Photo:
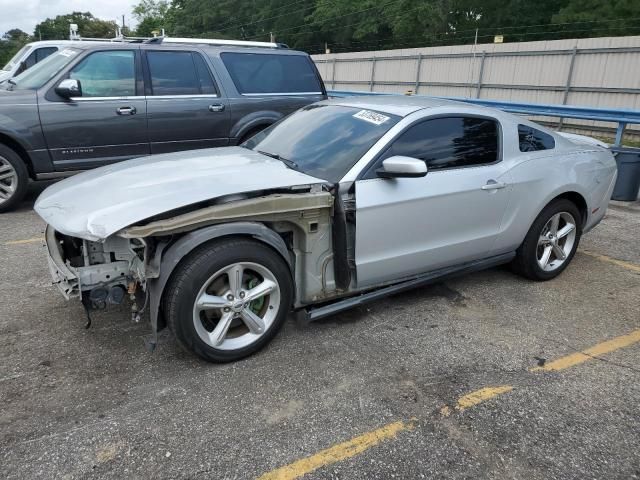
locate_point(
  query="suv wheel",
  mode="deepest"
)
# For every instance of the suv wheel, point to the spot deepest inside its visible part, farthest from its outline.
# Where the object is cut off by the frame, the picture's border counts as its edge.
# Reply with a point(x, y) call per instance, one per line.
point(228, 299)
point(551, 242)
point(14, 179)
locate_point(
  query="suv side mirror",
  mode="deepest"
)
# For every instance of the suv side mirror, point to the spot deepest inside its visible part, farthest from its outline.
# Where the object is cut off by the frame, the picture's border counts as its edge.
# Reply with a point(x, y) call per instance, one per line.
point(69, 88)
point(399, 166)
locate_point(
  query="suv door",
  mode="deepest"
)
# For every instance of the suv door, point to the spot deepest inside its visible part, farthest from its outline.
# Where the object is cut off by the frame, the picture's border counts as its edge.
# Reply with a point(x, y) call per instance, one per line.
point(406, 226)
point(184, 106)
point(107, 122)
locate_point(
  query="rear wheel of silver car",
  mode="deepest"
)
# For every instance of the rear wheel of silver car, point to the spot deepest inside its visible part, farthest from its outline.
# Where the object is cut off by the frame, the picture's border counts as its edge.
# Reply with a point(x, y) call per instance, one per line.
point(551, 242)
point(228, 299)
point(14, 179)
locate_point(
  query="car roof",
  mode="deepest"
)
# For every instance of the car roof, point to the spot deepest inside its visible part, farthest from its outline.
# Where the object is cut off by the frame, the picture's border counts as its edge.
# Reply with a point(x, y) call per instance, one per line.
point(97, 45)
point(401, 105)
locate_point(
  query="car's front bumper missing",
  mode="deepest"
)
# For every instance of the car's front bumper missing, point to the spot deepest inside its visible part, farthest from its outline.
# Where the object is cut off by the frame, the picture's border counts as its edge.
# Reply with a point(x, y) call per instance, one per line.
point(62, 275)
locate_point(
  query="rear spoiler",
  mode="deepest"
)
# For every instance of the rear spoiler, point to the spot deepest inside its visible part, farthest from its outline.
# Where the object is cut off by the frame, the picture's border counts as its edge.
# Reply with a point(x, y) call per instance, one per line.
point(583, 139)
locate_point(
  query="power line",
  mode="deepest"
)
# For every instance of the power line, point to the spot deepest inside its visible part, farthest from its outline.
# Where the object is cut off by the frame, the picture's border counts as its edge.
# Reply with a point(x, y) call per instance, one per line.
point(270, 18)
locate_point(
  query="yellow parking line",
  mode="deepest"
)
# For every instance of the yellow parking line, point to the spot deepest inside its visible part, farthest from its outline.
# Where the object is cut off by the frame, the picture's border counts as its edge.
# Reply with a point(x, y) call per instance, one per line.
point(479, 396)
point(621, 263)
point(338, 452)
point(474, 398)
point(590, 353)
point(27, 240)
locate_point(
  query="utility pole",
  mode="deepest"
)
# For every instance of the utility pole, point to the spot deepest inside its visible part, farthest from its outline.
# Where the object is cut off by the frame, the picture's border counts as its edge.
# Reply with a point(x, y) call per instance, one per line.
point(272, 37)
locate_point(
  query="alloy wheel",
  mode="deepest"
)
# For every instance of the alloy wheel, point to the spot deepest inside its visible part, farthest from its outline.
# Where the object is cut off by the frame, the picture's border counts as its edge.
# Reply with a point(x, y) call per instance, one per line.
point(8, 180)
point(556, 241)
point(236, 306)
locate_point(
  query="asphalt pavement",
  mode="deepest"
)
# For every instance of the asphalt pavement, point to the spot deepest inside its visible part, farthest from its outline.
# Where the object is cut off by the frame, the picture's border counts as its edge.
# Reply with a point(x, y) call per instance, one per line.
point(439, 382)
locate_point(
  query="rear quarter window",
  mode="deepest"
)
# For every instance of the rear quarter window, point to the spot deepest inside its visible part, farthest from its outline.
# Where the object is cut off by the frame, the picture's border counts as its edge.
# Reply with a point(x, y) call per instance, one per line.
point(533, 140)
point(259, 73)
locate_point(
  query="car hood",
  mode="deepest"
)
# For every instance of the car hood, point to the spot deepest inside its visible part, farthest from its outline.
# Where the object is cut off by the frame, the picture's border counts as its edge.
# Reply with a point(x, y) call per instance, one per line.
point(16, 97)
point(96, 204)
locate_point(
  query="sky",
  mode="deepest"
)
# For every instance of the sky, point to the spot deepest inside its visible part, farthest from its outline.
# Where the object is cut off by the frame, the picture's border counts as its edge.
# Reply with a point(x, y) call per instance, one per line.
point(25, 14)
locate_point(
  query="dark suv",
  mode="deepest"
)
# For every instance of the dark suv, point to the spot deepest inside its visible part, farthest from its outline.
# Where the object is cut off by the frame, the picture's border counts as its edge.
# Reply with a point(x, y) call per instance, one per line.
point(89, 105)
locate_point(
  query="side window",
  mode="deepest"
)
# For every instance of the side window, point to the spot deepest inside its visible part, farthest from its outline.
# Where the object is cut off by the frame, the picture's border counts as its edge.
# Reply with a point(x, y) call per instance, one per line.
point(107, 74)
point(449, 142)
point(31, 60)
point(207, 85)
point(44, 52)
point(532, 140)
point(256, 73)
point(175, 73)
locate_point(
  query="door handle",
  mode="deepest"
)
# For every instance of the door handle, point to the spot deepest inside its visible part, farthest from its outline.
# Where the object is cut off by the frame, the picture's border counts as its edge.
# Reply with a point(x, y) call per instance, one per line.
point(216, 107)
point(126, 110)
point(493, 185)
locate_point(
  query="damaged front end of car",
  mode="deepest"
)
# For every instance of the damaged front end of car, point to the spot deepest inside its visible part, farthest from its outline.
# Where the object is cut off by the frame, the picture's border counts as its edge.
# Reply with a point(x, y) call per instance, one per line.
point(135, 264)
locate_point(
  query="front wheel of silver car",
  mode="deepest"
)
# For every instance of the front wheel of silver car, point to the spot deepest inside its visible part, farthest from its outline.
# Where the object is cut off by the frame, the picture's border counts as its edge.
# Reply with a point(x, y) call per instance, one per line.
point(14, 179)
point(551, 242)
point(228, 299)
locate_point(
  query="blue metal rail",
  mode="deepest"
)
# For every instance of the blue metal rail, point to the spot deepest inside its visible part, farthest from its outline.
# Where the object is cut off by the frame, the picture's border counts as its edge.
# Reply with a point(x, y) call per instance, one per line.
point(622, 117)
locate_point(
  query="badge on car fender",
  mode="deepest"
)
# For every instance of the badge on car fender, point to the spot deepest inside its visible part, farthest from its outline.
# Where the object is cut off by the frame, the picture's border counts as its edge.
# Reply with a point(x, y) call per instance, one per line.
point(371, 117)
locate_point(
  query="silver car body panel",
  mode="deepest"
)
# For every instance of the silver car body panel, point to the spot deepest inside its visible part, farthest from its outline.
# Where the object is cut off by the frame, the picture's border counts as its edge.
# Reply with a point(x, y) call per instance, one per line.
point(394, 230)
point(96, 204)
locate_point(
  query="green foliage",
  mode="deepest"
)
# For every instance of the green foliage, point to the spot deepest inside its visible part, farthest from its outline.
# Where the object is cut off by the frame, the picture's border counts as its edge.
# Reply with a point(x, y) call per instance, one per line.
point(376, 24)
point(10, 43)
point(88, 26)
point(347, 25)
point(600, 18)
point(151, 16)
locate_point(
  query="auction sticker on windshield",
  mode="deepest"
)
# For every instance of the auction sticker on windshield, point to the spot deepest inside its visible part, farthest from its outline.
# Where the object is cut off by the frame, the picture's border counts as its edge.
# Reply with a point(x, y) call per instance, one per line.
point(67, 53)
point(371, 117)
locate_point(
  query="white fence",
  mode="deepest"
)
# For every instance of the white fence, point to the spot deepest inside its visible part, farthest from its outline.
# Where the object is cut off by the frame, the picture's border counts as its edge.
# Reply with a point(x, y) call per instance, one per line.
point(597, 72)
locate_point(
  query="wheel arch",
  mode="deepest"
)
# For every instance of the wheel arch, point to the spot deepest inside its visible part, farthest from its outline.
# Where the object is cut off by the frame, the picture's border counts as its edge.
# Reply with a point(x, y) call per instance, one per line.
point(578, 200)
point(252, 121)
point(17, 147)
point(175, 253)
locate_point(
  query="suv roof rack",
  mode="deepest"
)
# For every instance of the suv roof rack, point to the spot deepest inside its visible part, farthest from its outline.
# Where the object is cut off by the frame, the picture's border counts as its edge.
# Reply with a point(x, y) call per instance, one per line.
point(215, 41)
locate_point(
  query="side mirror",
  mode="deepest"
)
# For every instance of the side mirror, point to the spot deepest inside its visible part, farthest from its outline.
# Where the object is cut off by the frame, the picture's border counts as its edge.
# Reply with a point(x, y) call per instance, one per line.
point(399, 167)
point(69, 88)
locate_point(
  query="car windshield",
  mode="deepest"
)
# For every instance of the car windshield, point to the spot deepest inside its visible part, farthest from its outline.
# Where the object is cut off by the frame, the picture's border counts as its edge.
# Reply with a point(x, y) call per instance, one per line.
point(36, 76)
point(323, 140)
point(15, 58)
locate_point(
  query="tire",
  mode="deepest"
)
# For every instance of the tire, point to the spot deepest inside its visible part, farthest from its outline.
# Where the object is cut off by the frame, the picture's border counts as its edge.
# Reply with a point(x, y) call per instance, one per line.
point(216, 319)
point(14, 179)
point(531, 260)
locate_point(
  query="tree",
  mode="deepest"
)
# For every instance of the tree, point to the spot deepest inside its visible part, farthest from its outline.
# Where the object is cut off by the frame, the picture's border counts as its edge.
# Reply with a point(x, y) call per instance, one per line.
point(10, 43)
point(88, 26)
point(151, 16)
point(379, 24)
point(586, 18)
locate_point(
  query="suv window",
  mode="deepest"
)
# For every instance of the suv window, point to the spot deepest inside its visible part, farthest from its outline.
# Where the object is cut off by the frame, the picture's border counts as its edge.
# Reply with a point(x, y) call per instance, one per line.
point(179, 73)
point(106, 74)
point(38, 55)
point(532, 140)
point(449, 142)
point(256, 73)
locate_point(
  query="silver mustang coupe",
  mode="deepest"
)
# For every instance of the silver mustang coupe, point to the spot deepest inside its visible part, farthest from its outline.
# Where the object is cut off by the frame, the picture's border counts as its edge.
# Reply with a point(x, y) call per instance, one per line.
point(338, 204)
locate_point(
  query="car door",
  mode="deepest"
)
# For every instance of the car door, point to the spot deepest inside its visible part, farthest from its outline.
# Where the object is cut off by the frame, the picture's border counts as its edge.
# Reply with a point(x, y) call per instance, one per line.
point(406, 226)
point(184, 105)
point(107, 123)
